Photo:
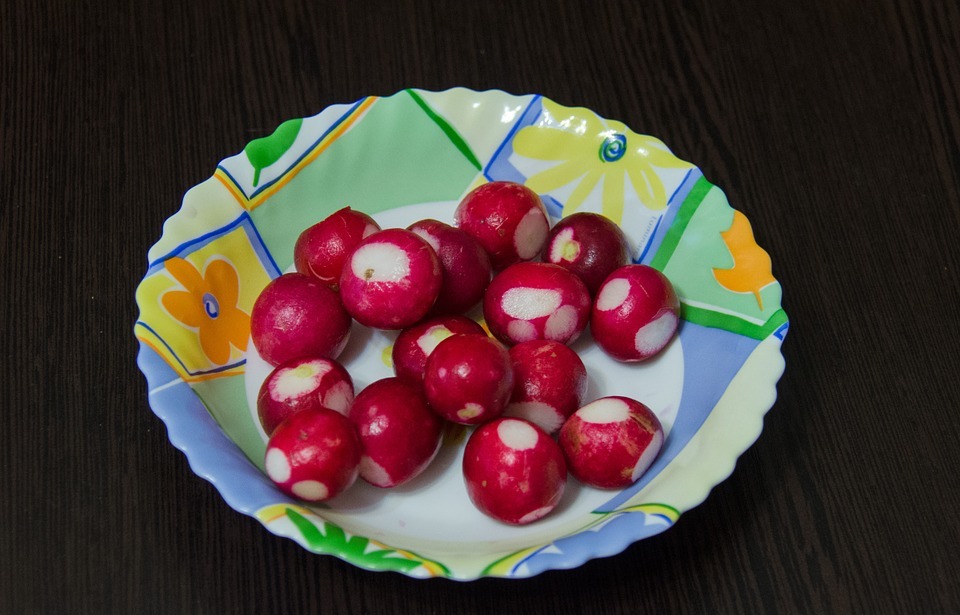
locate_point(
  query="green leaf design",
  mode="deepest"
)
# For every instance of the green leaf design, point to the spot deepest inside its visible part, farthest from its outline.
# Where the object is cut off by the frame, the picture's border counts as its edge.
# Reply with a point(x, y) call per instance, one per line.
point(267, 150)
point(353, 549)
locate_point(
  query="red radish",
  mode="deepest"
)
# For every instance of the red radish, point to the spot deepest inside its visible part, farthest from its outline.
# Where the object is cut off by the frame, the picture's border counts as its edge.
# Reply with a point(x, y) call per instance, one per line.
point(314, 455)
point(588, 244)
point(391, 279)
point(635, 314)
point(399, 433)
point(304, 382)
point(296, 316)
point(414, 344)
point(610, 442)
point(550, 383)
point(514, 471)
point(466, 266)
point(468, 379)
point(530, 301)
point(508, 219)
point(322, 249)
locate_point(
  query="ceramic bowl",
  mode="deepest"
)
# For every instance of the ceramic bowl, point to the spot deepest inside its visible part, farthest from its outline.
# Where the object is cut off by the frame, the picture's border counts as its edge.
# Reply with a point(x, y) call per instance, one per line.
point(414, 155)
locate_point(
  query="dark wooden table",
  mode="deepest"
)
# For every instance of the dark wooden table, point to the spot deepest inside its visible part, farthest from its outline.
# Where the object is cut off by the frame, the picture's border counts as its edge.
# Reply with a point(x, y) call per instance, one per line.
point(834, 126)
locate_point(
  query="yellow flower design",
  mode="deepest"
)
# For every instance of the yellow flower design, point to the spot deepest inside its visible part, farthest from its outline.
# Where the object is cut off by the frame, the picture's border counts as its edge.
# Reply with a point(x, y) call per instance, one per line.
point(590, 149)
point(209, 305)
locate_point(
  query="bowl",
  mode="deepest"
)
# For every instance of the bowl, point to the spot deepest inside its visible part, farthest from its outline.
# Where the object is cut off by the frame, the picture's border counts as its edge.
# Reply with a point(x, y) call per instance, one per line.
point(414, 155)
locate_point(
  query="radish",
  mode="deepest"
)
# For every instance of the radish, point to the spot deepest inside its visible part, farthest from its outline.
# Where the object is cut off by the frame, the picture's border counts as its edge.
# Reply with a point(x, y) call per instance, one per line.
point(589, 245)
point(635, 314)
point(466, 266)
point(468, 379)
point(295, 315)
point(399, 433)
point(304, 382)
point(508, 219)
point(391, 279)
point(550, 383)
point(414, 344)
point(530, 301)
point(514, 471)
point(610, 442)
point(314, 455)
point(322, 248)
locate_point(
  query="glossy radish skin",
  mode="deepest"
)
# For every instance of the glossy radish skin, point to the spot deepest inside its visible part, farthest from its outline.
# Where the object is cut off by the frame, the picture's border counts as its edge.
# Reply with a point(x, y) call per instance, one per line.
point(589, 245)
point(399, 434)
point(321, 249)
point(508, 219)
point(305, 382)
point(468, 379)
point(635, 314)
point(414, 344)
point(514, 471)
point(466, 266)
point(295, 316)
point(550, 383)
point(391, 279)
point(314, 455)
point(611, 442)
point(536, 301)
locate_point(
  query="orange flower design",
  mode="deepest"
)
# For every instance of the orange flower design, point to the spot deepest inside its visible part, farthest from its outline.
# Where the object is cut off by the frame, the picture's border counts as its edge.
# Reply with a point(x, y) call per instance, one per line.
point(209, 305)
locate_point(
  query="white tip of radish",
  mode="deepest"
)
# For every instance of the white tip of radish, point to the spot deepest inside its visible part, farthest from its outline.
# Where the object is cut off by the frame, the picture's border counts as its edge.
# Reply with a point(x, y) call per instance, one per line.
point(339, 398)
point(310, 490)
point(521, 331)
point(374, 473)
point(295, 381)
point(277, 465)
point(517, 435)
point(648, 455)
point(654, 335)
point(469, 411)
point(531, 233)
point(380, 262)
point(561, 324)
point(605, 410)
point(529, 303)
point(432, 337)
point(613, 294)
point(431, 239)
point(530, 517)
point(369, 230)
point(543, 415)
point(564, 247)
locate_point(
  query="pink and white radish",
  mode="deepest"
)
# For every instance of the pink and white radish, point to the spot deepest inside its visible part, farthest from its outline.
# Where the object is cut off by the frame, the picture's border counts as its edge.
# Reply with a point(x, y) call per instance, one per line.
point(589, 245)
point(391, 279)
point(610, 443)
point(531, 301)
point(414, 344)
point(321, 249)
point(399, 434)
point(296, 315)
point(314, 455)
point(468, 379)
point(508, 219)
point(466, 265)
point(635, 314)
point(304, 382)
point(550, 383)
point(514, 471)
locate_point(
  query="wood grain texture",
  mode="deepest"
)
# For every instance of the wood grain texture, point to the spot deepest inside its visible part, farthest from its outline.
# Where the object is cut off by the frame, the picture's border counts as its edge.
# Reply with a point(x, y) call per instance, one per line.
point(835, 127)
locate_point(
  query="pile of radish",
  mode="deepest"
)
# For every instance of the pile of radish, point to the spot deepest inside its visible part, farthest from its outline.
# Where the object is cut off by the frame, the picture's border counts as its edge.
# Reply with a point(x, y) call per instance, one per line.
point(521, 388)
